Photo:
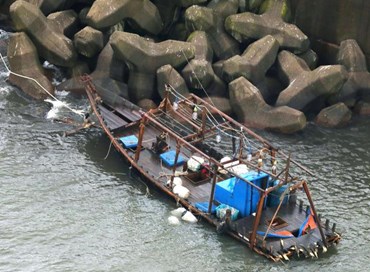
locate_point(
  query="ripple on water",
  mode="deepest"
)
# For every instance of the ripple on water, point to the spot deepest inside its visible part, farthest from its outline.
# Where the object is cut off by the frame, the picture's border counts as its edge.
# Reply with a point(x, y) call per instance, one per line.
point(66, 208)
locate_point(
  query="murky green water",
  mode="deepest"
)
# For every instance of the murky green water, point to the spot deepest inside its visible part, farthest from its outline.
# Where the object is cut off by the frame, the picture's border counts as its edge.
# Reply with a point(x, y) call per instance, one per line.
point(63, 207)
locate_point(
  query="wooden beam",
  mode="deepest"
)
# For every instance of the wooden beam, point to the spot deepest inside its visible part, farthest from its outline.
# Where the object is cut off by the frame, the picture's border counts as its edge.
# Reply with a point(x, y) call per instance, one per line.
point(257, 219)
point(214, 180)
point(307, 191)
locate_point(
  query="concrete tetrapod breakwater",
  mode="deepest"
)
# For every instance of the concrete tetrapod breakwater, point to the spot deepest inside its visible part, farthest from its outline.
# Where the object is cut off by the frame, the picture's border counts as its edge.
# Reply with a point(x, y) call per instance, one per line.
point(221, 50)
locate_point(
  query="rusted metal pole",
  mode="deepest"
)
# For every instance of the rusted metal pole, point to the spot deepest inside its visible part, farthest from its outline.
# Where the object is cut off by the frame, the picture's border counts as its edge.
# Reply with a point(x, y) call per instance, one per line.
point(297, 164)
point(178, 147)
point(214, 180)
point(140, 140)
point(307, 191)
point(250, 132)
point(287, 170)
point(257, 220)
point(273, 218)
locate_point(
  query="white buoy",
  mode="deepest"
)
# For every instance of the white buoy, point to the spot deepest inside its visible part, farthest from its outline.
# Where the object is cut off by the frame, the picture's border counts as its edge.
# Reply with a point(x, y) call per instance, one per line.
point(181, 191)
point(176, 181)
point(178, 212)
point(189, 217)
point(173, 220)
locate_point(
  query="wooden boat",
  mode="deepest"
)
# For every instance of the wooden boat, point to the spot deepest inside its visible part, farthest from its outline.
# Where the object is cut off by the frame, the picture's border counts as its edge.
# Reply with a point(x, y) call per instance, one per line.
point(244, 195)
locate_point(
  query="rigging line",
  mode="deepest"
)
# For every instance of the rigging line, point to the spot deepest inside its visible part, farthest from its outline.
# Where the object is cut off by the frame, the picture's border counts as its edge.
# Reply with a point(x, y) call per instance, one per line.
point(192, 70)
point(78, 112)
point(179, 95)
point(210, 116)
point(172, 126)
point(106, 156)
point(217, 125)
point(164, 123)
point(174, 119)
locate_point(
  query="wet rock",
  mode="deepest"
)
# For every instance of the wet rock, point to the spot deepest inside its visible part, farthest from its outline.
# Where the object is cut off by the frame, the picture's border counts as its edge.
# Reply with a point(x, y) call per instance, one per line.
point(114, 86)
point(310, 57)
point(254, 62)
point(358, 85)
point(307, 86)
point(82, 16)
point(282, 7)
point(169, 12)
point(351, 56)
point(362, 108)
point(74, 84)
point(49, 6)
point(144, 57)
point(248, 25)
point(198, 74)
point(89, 41)
point(211, 20)
point(144, 14)
point(24, 60)
point(337, 115)
point(66, 22)
point(217, 88)
point(51, 45)
point(178, 32)
point(188, 3)
point(270, 88)
point(253, 5)
point(218, 68)
point(168, 75)
point(251, 109)
point(203, 48)
point(290, 66)
point(109, 67)
point(147, 104)
point(221, 103)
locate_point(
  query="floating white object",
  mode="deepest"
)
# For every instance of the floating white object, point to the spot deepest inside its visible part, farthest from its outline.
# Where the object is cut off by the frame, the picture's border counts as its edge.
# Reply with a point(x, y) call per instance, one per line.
point(178, 212)
point(189, 217)
point(173, 220)
point(194, 163)
point(176, 181)
point(181, 191)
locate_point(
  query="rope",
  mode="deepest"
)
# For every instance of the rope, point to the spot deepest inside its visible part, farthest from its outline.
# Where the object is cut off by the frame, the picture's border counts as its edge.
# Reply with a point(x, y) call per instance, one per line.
point(106, 156)
point(78, 112)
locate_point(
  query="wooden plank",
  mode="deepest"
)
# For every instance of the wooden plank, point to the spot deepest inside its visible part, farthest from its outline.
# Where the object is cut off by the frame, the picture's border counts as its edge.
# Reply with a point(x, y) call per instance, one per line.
point(130, 115)
point(113, 121)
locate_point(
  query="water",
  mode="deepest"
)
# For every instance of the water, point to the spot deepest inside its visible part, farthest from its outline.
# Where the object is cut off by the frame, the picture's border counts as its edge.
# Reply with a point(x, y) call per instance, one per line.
point(63, 207)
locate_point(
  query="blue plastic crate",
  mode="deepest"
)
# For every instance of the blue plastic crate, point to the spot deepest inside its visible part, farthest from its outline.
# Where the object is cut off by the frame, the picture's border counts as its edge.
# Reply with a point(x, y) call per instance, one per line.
point(168, 158)
point(203, 206)
point(239, 194)
point(129, 141)
point(221, 211)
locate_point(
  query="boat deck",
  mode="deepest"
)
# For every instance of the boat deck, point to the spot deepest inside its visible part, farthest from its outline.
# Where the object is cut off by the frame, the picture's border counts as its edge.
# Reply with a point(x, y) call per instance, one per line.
point(187, 135)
